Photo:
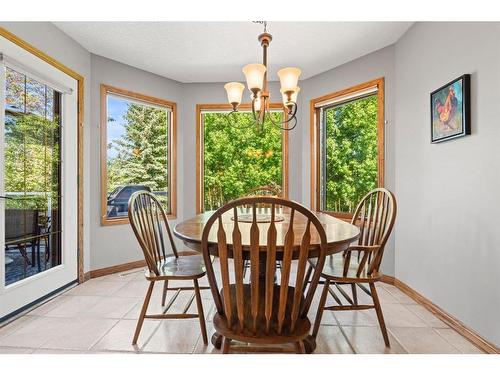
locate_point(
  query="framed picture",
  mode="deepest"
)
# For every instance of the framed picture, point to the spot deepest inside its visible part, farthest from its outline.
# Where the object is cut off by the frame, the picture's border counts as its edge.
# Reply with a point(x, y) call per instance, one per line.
point(450, 110)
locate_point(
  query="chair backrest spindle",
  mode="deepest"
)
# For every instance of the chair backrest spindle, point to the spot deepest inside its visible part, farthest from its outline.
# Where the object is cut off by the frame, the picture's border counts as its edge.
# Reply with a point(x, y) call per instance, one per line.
point(146, 216)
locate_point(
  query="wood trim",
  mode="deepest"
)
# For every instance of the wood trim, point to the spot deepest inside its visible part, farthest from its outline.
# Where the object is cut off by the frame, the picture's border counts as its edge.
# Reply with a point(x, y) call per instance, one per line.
point(115, 269)
point(314, 122)
point(80, 109)
point(199, 135)
point(453, 322)
point(172, 165)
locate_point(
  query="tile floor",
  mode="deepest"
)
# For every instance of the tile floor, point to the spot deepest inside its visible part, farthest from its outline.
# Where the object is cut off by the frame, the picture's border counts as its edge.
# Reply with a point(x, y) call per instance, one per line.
point(100, 315)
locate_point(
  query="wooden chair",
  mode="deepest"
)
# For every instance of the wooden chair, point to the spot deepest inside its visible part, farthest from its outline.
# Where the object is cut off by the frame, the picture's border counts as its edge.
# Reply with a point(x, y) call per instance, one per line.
point(266, 190)
point(262, 312)
point(375, 216)
point(146, 216)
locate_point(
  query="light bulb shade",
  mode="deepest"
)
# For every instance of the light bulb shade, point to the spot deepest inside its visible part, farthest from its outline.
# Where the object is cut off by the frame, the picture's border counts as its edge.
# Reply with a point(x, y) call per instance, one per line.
point(254, 74)
point(234, 92)
point(293, 97)
point(289, 78)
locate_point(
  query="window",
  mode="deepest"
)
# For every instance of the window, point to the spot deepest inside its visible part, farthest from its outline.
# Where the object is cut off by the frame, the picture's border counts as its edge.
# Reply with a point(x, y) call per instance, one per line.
point(347, 129)
point(233, 158)
point(32, 170)
point(137, 151)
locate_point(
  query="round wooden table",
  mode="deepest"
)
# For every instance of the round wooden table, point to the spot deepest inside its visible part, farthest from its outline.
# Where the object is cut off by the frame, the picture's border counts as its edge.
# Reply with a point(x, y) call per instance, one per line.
point(339, 235)
point(338, 232)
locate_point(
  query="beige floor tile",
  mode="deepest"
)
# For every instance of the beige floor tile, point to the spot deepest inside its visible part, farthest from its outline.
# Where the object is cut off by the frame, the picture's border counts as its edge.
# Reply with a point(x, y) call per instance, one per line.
point(201, 348)
point(8, 350)
point(458, 341)
point(73, 306)
point(80, 334)
point(400, 296)
point(369, 340)
point(397, 315)
point(357, 318)
point(34, 332)
point(330, 340)
point(327, 319)
point(134, 274)
point(14, 325)
point(112, 307)
point(174, 336)
point(422, 341)
point(429, 318)
point(96, 287)
point(48, 306)
point(138, 289)
point(59, 351)
point(119, 338)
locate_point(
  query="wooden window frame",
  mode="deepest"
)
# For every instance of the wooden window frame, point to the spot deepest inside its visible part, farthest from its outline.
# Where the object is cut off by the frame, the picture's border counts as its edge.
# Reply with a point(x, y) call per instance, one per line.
point(315, 145)
point(199, 145)
point(172, 147)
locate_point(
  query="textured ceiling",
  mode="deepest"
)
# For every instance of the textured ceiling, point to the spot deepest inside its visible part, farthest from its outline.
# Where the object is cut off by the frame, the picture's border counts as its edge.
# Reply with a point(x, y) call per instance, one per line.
point(216, 51)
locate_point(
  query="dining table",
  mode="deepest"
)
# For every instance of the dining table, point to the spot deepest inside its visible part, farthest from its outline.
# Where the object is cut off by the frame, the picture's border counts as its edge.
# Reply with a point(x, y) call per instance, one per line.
point(340, 234)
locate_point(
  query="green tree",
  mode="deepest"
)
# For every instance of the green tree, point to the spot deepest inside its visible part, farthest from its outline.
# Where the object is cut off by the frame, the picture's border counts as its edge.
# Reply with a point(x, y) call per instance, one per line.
point(237, 157)
point(142, 152)
point(351, 153)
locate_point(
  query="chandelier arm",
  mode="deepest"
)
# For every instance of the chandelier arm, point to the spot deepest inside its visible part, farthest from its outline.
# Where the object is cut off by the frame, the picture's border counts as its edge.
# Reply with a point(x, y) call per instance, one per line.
point(294, 119)
point(288, 120)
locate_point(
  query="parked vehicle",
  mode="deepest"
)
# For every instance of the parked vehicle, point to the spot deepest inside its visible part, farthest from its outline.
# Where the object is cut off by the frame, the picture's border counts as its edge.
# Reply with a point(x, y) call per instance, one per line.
point(118, 199)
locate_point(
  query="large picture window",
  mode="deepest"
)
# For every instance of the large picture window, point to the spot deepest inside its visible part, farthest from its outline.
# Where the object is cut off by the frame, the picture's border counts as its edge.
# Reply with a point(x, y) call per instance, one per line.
point(348, 147)
point(234, 158)
point(137, 151)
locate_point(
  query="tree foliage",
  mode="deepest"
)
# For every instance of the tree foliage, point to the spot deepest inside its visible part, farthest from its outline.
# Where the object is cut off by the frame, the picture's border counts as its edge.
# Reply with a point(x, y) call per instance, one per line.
point(237, 157)
point(351, 153)
point(142, 151)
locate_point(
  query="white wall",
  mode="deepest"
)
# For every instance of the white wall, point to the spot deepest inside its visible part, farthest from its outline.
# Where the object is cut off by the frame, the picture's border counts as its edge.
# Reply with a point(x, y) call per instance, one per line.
point(366, 68)
point(52, 41)
point(116, 244)
point(447, 236)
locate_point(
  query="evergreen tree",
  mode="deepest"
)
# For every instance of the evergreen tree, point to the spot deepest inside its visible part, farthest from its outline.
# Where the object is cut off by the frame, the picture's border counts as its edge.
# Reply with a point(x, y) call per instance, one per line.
point(142, 153)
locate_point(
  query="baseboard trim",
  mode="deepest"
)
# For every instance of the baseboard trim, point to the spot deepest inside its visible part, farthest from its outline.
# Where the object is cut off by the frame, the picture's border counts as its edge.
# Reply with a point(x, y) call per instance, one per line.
point(453, 322)
point(115, 269)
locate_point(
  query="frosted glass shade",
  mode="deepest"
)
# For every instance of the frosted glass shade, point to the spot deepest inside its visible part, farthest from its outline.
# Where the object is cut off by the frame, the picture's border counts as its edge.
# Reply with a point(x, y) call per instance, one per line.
point(254, 74)
point(293, 97)
point(289, 78)
point(234, 92)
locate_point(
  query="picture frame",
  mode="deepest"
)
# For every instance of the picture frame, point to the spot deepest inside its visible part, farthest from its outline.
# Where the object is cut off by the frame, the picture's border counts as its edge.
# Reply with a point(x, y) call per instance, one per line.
point(450, 110)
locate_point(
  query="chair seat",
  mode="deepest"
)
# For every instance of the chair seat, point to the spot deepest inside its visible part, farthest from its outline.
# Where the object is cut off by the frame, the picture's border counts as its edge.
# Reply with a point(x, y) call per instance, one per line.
point(300, 332)
point(189, 265)
point(334, 269)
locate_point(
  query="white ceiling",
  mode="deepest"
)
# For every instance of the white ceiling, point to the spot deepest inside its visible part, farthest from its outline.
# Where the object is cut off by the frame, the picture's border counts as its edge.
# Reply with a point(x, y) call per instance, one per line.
point(216, 51)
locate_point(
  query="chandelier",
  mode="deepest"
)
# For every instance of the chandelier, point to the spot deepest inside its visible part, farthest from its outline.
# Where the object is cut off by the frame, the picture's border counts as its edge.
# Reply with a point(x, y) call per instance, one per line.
point(256, 77)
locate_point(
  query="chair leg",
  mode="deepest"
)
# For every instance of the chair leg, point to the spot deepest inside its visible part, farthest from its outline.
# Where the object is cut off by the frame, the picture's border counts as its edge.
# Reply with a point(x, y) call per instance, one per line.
point(300, 348)
point(201, 314)
point(321, 307)
point(143, 312)
point(354, 293)
point(164, 296)
point(226, 343)
point(380, 316)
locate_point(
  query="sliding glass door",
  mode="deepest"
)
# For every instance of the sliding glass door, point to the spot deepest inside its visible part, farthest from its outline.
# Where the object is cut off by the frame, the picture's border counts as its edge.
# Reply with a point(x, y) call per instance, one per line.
point(38, 186)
